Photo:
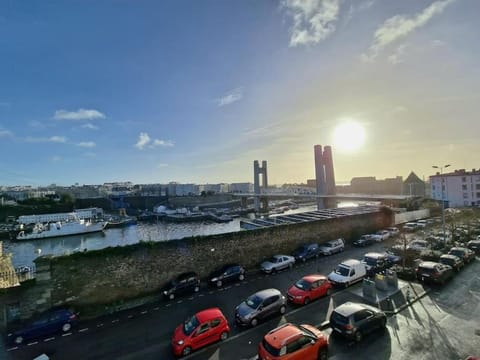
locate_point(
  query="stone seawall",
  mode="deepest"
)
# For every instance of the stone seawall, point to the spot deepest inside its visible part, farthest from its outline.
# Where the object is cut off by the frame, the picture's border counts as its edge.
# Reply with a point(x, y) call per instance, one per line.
point(98, 278)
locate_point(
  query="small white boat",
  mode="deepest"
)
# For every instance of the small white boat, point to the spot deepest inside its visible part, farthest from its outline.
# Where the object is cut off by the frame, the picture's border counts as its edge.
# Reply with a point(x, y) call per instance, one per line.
point(56, 229)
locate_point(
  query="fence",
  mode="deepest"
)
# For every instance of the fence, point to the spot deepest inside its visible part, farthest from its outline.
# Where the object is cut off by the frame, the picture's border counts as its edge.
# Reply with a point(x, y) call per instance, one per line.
point(17, 276)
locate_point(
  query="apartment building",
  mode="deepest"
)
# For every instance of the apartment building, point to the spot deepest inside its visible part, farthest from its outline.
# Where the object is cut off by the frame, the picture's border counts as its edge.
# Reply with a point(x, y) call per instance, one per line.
point(458, 189)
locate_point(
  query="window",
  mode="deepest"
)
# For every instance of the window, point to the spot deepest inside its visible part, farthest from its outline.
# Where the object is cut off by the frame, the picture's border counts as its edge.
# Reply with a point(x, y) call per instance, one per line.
point(478, 194)
point(352, 272)
point(433, 187)
point(215, 322)
point(465, 195)
point(464, 187)
point(477, 186)
point(203, 328)
point(464, 179)
point(361, 315)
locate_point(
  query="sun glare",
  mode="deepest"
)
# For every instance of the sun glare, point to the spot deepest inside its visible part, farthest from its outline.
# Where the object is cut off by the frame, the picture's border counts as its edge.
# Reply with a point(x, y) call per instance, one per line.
point(349, 136)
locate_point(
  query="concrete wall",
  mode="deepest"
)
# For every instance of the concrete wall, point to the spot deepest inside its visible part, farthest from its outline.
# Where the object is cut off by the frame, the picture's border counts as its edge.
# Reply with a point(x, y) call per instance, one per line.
point(404, 217)
point(94, 280)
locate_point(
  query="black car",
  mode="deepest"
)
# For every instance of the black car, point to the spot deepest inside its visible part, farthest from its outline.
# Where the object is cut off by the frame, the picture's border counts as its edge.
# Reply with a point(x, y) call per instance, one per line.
point(430, 271)
point(60, 320)
point(474, 245)
point(227, 273)
point(354, 320)
point(465, 254)
point(454, 261)
point(376, 263)
point(364, 240)
point(184, 283)
point(306, 251)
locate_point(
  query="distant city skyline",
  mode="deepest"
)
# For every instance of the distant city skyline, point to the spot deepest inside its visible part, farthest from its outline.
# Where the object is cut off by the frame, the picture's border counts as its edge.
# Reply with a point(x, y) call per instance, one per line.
point(194, 92)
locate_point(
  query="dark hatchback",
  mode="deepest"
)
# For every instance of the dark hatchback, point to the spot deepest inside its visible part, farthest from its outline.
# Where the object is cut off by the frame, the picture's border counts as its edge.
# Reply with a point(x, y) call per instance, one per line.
point(306, 251)
point(430, 271)
point(185, 283)
point(454, 261)
point(42, 325)
point(364, 240)
point(354, 320)
point(227, 273)
point(465, 254)
point(474, 245)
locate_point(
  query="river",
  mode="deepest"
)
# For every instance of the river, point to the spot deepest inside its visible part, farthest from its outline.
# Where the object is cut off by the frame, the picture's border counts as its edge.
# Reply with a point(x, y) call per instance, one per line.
point(24, 252)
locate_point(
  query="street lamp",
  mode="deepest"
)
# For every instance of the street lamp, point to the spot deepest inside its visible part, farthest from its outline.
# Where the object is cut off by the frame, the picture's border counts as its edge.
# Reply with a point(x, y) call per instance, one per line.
point(443, 202)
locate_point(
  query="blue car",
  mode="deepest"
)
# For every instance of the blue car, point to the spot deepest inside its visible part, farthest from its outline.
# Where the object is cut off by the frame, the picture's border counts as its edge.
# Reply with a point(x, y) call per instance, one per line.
point(45, 324)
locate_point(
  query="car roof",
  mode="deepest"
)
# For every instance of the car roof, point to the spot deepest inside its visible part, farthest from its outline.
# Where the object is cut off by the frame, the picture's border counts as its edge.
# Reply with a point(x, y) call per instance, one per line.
point(458, 248)
point(314, 277)
point(350, 262)
point(280, 255)
point(449, 256)
point(350, 308)
point(267, 293)
point(428, 264)
point(277, 336)
point(375, 255)
point(209, 314)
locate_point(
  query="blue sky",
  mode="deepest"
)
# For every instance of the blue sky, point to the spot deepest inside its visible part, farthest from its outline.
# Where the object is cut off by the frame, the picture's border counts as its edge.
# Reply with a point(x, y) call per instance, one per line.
point(195, 91)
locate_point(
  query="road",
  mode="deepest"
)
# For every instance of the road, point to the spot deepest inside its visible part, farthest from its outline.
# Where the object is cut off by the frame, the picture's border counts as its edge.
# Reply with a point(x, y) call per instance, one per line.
point(438, 326)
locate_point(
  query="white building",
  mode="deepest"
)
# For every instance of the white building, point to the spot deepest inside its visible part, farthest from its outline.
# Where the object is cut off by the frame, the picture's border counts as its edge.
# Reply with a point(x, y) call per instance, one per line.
point(90, 213)
point(459, 188)
point(242, 188)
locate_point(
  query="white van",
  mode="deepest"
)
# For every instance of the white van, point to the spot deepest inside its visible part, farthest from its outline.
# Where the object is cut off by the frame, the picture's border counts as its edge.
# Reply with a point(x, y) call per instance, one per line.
point(348, 272)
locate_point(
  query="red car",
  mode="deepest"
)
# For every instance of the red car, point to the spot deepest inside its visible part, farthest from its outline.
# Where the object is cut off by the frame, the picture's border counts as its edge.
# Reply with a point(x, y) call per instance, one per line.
point(309, 288)
point(203, 328)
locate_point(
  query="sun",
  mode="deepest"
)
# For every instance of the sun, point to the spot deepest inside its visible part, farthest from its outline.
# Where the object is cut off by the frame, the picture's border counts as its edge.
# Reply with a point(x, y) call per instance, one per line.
point(349, 136)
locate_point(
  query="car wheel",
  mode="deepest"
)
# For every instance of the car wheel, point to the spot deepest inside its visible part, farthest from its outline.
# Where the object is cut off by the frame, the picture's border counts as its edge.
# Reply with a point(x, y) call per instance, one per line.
point(347, 284)
point(306, 301)
point(358, 336)
point(18, 340)
point(254, 322)
point(274, 270)
point(323, 353)
point(66, 327)
point(219, 283)
point(223, 336)
point(283, 309)
point(186, 350)
point(196, 288)
point(171, 296)
point(241, 277)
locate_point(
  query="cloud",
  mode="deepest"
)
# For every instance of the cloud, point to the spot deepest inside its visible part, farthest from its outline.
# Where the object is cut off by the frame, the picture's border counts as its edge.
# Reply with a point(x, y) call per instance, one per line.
point(144, 141)
point(87, 144)
point(5, 133)
point(231, 97)
point(90, 126)
point(80, 114)
point(53, 139)
point(313, 20)
point(397, 56)
point(399, 26)
point(162, 165)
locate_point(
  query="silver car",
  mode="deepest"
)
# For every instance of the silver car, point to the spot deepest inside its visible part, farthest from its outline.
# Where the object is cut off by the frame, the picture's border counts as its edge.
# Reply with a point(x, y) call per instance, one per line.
point(277, 262)
point(259, 306)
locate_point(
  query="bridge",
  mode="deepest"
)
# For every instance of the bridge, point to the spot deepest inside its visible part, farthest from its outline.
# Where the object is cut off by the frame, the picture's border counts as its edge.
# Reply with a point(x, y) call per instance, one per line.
point(361, 197)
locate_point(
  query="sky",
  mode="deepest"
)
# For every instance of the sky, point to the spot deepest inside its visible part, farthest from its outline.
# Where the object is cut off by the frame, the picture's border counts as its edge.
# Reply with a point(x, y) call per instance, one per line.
point(95, 91)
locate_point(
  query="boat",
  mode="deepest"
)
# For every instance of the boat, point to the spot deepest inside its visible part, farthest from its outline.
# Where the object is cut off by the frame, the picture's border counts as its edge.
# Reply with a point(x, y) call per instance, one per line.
point(57, 229)
point(120, 222)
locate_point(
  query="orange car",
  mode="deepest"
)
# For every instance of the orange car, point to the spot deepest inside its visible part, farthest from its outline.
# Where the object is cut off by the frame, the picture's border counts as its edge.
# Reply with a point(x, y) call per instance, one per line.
point(203, 328)
point(309, 288)
point(294, 342)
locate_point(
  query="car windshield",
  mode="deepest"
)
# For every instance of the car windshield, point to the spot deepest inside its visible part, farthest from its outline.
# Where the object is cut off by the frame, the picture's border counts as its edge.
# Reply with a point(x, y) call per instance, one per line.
point(458, 253)
point(370, 261)
point(339, 319)
point(303, 284)
point(253, 301)
point(190, 325)
point(447, 261)
point(302, 249)
point(342, 270)
point(273, 260)
point(327, 245)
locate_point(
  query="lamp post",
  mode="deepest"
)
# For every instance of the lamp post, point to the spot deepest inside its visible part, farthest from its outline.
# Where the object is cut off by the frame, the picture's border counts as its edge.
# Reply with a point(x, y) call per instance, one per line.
point(443, 202)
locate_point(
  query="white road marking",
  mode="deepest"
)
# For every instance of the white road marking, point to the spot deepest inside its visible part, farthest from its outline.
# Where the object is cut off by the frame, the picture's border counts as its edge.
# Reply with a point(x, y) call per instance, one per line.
point(14, 348)
point(99, 325)
point(156, 308)
point(67, 334)
point(82, 330)
point(144, 312)
point(115, 321)
point(32, 343)
point(49, 339)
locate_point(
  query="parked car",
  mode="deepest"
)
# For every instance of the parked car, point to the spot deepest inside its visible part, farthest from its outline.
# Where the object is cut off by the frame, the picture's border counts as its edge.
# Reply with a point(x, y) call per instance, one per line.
point(393, 231)
point(454, 261)
point(226, 273)
point(430, 271)
point(184, 283)
point(259, 306)
point(384, 234)
point(60, 320)
point(375, 262)
point(465, 254)
point(418, 245)
point(332, 246)
point(421, 224)
point(309, 288)
point(474, 245)
point(203, 328)
point(306, 251)
point(364, 240)
point(354, 320)
point(277, 263)
point(294, 342)
point(348, 272)
point(409, 227)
